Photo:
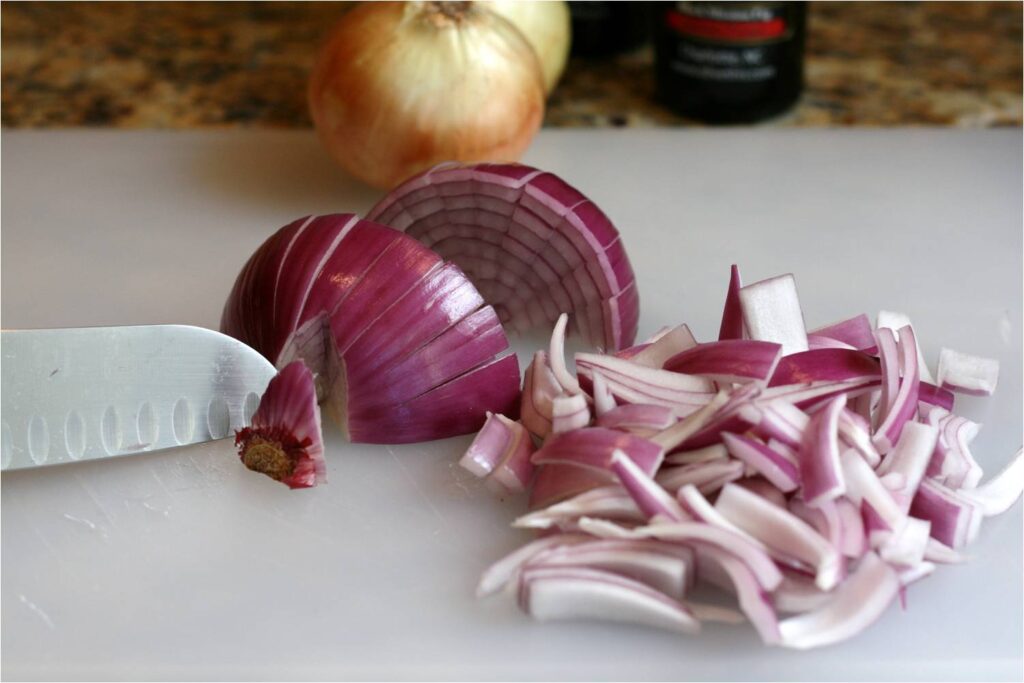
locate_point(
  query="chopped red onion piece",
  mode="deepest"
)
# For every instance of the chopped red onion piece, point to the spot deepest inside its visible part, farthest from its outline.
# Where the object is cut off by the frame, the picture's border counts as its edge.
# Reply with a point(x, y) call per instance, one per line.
point(834, 365)
point(854, 431)
point(856, 604)
point(856, 332)
point(913, 574)
point(540, 387)
point(284, 438)
point(967, 374)
point(569, 413)
point(662, 567)
point(697, 506)
point(610, 502)
point(506, 570)
point(938, 552)
point(643, 420)
point(706, 454)
point(952, 462)
point(580, 593)
point(764, 488)
point(594, 448)
point(556, 357)
point(854, 541)
point(733, 360)
point(771, 312)
point(906, 546)
point(651, 498)
point(797, 594)
point(489, 446)
point(774, 466)
point(815, 342)
point(894, 320)
point(949, 513)
point(604, 402)
point(910, 458)
point(820, 471)
point(732, 312)
point(782, 532)
point(933, 395)
point(703, 535)
point(905, 403)
point(691, 425)
point(558, 482)
point(752, 595)
point(706, 476)
point(864, 486)
point(999, 493)
point(674, 341)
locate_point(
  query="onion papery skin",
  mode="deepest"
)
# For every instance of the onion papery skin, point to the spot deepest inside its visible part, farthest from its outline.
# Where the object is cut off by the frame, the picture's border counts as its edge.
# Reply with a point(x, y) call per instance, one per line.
point(403, 347)
point(534, 246)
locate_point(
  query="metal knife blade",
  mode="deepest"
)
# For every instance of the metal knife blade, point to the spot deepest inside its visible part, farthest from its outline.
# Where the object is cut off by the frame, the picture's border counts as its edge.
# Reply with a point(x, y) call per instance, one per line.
point(99, 392)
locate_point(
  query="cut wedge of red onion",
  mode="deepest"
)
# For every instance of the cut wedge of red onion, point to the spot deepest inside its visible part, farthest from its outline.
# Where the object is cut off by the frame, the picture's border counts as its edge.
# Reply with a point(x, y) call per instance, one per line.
point(839, 477)
point(402, 346)
point(532, 243)
point(283, 440)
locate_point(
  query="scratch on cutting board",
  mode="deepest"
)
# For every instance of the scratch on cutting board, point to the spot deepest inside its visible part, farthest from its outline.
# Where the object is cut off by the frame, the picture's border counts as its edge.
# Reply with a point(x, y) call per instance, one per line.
point(86, 523)
point(416, 484)
point(38, 611)
point(95, 499)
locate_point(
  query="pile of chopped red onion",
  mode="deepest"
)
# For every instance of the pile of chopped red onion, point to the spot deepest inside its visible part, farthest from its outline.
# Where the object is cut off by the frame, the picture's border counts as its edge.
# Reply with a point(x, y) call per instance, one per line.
point(813, 475)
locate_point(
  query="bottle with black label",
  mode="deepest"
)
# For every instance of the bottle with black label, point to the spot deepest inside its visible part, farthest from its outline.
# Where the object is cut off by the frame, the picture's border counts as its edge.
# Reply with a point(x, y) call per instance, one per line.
point(730, 62)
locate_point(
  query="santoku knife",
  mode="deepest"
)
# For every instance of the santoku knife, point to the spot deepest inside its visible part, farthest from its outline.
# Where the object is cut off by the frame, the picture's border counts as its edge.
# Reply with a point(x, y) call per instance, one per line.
point(100, 392)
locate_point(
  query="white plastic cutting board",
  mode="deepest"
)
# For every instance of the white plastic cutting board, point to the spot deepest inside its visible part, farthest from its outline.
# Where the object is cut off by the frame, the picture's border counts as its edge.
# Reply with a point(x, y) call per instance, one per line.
point(184, 565)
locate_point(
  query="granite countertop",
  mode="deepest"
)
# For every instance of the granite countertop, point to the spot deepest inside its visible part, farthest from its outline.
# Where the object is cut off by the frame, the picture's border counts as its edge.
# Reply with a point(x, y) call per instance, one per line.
point(201, 65)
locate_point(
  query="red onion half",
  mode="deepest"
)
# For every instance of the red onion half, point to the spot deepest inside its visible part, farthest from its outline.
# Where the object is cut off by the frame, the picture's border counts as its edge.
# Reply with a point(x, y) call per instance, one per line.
point(402, 345)
point(534, 246)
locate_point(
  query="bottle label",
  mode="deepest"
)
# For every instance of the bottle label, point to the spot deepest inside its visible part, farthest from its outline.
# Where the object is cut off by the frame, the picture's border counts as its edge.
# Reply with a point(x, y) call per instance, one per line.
point(728, 42)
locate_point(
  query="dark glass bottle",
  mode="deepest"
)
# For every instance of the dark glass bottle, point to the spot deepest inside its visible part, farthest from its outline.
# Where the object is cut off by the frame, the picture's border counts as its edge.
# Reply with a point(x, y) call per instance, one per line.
point(729, 62)
point(601, 29)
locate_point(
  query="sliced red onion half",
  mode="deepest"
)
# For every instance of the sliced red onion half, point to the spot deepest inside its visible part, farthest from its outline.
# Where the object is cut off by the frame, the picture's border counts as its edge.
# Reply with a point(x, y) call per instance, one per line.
point(283, 440)
point(534, 245)
point(839, 477)
point(402, 346)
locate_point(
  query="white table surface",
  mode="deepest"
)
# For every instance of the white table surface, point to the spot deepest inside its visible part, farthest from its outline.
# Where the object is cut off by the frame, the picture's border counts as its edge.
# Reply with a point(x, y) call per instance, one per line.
point(182, 564)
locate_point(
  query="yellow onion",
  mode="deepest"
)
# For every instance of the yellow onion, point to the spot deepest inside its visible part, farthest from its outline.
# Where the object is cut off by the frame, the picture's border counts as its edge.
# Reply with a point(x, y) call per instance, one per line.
point(402, 86)
point(547, 26)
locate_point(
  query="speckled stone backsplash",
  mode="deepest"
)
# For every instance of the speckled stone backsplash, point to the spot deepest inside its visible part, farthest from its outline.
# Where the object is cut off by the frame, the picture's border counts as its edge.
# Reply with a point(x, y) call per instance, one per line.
point(201, 65)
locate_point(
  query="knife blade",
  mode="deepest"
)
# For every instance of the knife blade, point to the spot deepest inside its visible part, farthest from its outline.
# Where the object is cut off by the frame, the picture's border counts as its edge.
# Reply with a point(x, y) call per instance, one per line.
point(100, 392)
